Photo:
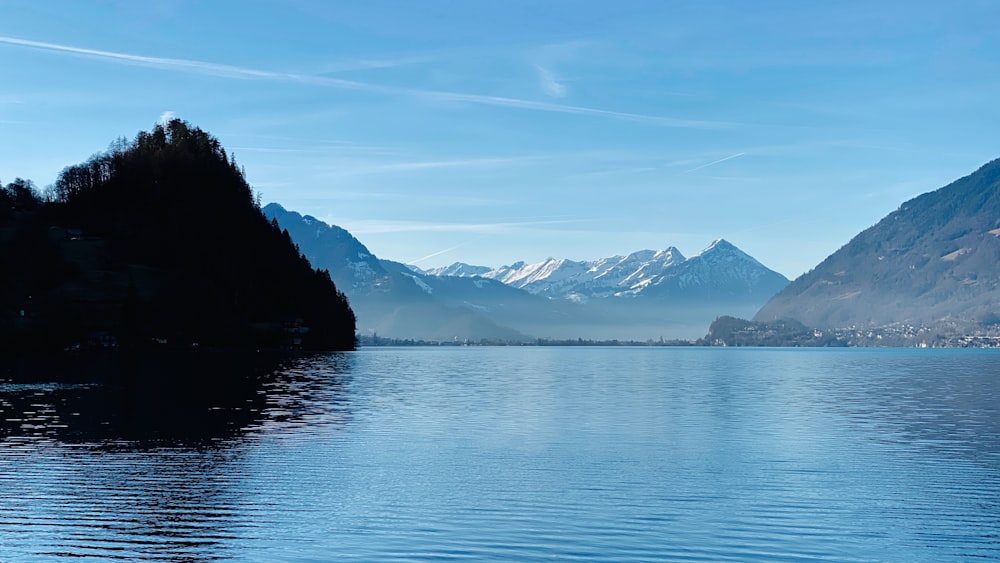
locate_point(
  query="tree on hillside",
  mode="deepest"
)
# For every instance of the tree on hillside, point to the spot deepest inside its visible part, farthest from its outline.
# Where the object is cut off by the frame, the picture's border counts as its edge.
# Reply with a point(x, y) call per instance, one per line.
point(177, 225)
point(21, 194)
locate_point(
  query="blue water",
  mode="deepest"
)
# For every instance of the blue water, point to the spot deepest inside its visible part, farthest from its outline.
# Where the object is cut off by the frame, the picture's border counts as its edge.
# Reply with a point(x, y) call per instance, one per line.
point(526, 454)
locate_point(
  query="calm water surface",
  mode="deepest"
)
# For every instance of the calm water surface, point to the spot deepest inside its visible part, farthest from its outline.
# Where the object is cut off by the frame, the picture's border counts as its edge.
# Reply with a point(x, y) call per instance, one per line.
point(523, 454)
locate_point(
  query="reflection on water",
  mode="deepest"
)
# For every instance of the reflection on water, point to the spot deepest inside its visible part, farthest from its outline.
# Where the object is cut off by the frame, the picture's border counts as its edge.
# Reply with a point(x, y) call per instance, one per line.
point(949, 404)
point(168, 398)
point(145, 460)
point(505, 454)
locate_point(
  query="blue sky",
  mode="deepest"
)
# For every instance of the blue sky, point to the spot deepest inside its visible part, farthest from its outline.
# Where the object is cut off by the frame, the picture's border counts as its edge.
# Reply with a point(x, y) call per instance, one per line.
point(490, 131)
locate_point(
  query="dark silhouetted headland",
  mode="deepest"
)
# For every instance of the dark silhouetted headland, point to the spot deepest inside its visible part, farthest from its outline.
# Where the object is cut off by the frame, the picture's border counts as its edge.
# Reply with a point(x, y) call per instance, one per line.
point(158, 242)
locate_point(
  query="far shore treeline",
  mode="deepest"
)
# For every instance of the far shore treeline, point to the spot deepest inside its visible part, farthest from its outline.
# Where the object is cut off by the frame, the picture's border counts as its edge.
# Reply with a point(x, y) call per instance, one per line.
point(158, 242)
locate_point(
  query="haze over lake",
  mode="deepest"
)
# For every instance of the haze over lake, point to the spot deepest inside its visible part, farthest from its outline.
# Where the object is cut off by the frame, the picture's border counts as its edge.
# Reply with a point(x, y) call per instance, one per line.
point(518, 454)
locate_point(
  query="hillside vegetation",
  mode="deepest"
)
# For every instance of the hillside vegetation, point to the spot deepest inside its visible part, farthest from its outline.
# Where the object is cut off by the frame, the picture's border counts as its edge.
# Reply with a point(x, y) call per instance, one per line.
point(158, 241)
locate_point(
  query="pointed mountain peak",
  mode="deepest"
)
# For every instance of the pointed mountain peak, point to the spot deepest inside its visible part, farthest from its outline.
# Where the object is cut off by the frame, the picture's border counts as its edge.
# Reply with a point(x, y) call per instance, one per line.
point(278, 211)
point(724, 250)
point(719, 244)
point(722, 246)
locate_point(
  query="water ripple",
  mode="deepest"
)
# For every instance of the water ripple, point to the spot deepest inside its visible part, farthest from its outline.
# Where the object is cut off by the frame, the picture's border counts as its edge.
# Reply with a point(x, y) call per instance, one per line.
point(515, 454)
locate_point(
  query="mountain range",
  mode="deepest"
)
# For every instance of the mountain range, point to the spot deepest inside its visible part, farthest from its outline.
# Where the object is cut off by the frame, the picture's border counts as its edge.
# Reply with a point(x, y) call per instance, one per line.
point(934, 262)
point(578, 281)
point(644, 295)
point(720, 273)
point(114, 248)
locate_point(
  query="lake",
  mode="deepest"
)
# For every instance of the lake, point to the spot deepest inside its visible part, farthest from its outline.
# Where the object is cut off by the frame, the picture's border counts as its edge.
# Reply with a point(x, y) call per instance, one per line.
point(514, 454)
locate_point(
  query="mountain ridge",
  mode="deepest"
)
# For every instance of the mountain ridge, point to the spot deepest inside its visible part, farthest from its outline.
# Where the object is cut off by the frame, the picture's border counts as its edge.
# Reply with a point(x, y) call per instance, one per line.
point(389, 298)
point(621, 297)
point(632, 274)
point(931, 262)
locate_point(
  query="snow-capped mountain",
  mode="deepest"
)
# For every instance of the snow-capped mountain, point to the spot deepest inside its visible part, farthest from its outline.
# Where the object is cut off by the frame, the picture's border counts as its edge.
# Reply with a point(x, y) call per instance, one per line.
point(394, 300)
point(646, 294)
point(457, 269)
point(540, 278)
point(580, 281)
point(351, 264)
point(719, 271)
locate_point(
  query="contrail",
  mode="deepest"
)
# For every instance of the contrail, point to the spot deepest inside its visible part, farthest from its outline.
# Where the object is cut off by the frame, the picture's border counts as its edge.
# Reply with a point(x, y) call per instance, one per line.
point(714, 162)
point(440, 252)
point(244, 73)
point(187, 65)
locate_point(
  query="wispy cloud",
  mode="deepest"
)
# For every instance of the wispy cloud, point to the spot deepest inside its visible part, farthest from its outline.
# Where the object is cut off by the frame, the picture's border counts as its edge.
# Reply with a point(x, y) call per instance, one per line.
point(550, 83)
point(614, 172)
point(382, 227)
point(578, 110)
point(435, 164)
point(337, 167)
point(166, 116)
point(245, 73)
point(440, 201)
point(183, 65)
point(370, 64)
point(714, 162)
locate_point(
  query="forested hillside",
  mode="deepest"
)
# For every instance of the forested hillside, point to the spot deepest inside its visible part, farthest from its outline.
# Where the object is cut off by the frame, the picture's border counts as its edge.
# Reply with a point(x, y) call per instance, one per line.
point(158, 240)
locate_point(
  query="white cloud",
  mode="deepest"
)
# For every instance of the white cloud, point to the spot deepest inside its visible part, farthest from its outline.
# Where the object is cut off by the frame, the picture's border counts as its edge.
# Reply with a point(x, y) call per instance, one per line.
point(244, 73)
point(155, 62)
point(381, 227)
point(550, 83)
point(436, 164)
point(577, 110)
point(166, 116)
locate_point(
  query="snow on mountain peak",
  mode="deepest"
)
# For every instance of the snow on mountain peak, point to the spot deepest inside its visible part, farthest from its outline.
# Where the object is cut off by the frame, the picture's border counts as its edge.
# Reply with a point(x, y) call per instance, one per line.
point(721, 249)
point(621, 275)
point(459, 269)
point(719, 243)
point(600, 278)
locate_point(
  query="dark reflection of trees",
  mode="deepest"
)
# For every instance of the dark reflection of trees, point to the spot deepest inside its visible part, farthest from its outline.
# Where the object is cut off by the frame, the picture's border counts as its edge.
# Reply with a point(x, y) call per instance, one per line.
point(166, 399)
point(310, 393)
point(143, 457)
